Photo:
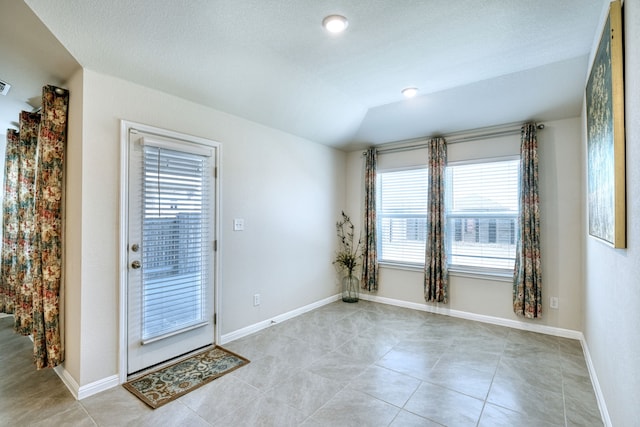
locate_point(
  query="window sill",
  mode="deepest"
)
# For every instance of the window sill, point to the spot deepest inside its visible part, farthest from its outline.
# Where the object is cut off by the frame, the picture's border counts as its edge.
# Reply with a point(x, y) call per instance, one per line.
point(453, 271)
point(489, 275)
point(399, 266)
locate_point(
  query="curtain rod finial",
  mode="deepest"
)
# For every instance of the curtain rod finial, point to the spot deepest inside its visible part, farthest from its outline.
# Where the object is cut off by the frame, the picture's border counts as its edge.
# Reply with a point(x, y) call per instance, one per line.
point(540, 126)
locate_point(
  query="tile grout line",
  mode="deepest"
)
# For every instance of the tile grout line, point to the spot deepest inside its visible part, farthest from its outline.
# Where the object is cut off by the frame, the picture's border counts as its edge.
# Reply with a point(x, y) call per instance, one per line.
point(495, 372)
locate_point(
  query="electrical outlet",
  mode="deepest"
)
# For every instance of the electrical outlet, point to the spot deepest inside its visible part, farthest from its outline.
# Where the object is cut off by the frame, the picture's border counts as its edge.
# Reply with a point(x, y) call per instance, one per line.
point(256, 300)
point(553, 303)
point(238, 224)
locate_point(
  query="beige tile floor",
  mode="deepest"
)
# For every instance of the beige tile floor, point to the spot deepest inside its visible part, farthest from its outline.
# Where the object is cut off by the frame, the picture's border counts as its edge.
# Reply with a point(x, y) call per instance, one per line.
point(363, 364)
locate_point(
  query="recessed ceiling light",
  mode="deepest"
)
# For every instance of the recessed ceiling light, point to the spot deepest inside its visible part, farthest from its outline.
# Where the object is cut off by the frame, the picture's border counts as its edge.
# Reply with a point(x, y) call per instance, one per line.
point(335, 23)
point(409, 92)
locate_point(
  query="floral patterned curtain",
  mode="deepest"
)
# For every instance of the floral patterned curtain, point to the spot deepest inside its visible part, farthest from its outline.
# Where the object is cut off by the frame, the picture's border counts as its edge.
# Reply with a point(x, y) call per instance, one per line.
point(52, 140)
point(26, 221)
point(369, 251)
point(436, 276)
point(31, 276)
point(9, 259)
point(527, 277)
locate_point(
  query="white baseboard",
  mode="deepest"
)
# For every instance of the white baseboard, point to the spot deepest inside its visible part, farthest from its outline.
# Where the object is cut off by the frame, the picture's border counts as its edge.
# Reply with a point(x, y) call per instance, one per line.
point(82, 392)
point(543, 329)
point(98, 386)
point(515, 324)
point(232, 336)
point(604, 413)
point(68, 380)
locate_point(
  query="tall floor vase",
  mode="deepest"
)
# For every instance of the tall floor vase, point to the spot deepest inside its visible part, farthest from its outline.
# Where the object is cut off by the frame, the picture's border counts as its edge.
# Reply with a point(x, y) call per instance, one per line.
point(350, 287)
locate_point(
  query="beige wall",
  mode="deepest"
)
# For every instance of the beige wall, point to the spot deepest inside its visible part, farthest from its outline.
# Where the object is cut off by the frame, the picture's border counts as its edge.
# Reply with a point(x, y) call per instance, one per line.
point(612, 276)
point(288, 190)
point(561, 226)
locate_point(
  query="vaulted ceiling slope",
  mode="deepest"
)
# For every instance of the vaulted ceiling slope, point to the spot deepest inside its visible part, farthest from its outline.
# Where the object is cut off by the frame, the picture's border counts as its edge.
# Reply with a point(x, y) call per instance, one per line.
point(476, 63)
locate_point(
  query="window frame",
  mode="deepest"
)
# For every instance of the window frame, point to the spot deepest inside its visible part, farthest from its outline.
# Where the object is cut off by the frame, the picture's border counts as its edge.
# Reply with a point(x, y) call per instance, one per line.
point(501, 274)
point(485, 273)
point(392, 263)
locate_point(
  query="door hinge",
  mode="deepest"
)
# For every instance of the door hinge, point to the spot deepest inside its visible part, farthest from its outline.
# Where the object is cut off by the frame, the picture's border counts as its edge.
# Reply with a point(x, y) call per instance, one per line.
point(215, 318)
point(215, 245)
point(215, 172)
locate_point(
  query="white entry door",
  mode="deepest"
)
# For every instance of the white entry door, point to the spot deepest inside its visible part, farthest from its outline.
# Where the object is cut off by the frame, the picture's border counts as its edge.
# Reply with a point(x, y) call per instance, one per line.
point(171, 239)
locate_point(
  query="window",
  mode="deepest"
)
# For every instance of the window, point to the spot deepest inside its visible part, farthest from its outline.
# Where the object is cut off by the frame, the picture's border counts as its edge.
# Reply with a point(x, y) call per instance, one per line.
point(175, 239)
point(481, 204)
point(482, 213)
point(402, 216)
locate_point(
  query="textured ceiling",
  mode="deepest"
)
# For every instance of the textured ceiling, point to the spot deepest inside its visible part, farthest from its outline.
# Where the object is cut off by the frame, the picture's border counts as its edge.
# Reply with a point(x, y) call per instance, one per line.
point(476, 62)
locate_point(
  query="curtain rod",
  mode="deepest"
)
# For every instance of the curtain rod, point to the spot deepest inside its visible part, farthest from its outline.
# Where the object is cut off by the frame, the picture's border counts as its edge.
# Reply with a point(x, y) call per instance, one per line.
point(453, 139)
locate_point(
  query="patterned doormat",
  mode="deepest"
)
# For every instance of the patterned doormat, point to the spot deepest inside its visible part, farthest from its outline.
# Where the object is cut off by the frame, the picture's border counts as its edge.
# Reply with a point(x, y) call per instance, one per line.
point(166, 384)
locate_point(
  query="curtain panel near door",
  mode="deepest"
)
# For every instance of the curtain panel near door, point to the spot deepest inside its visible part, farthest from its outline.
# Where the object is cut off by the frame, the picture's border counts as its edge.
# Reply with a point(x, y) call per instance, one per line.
point(9, 255)
point(26, 247)
point(527, 280)
point(436, 276)
point(19, 221)
point(31, 271)
point(369, 251)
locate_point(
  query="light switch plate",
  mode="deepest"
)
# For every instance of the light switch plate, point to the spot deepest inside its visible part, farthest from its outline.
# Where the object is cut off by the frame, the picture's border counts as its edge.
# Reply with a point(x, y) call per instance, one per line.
point(238, 224)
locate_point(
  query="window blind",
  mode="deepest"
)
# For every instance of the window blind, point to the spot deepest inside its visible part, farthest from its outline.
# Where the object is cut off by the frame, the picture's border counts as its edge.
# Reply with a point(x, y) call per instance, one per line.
point(402, 215)
point(482, 212)
point(174, 239)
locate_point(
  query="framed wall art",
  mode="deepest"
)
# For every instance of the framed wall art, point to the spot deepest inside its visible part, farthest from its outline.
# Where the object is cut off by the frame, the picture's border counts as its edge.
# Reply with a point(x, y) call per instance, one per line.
point(605, 135)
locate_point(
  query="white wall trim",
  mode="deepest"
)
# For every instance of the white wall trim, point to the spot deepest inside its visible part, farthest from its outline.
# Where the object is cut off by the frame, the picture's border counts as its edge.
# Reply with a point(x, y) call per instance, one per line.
point(604, 412)
point(68, 380)
point(98, 386)
point(240, 333)
point(543, 329)
point(122, 254)
point(82, 392)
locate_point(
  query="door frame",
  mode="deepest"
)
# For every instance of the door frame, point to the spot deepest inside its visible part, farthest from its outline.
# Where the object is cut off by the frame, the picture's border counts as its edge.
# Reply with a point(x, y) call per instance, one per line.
point(125, 127)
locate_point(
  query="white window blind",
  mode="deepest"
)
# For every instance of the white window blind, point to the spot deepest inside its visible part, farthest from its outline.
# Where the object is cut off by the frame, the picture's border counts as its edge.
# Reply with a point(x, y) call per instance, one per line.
point(402, 216)
point(482, 212)
point(174, 239)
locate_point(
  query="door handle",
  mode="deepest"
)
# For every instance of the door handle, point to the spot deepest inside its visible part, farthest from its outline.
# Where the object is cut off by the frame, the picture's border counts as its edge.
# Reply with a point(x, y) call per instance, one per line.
point(135, 264)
